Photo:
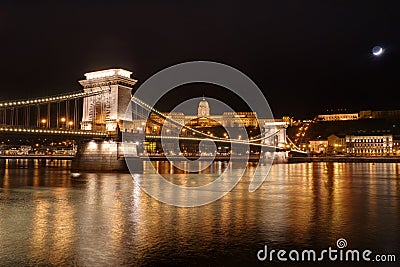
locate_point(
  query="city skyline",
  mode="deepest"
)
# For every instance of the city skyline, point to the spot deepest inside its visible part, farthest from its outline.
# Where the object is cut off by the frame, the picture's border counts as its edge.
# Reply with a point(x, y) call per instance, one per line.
point(305, 57)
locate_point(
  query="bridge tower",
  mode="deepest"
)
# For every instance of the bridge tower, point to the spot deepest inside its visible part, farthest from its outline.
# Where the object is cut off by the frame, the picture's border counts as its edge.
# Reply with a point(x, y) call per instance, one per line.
point(106, 112)
point(276, 133)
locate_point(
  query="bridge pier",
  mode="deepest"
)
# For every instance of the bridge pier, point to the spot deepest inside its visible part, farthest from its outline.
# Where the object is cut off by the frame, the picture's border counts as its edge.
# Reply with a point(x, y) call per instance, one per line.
point(106, 156)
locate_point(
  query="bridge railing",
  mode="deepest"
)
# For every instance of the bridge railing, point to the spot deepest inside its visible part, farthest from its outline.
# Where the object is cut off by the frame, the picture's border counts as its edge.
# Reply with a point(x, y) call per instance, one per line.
point(21, 130)
point(51, 99)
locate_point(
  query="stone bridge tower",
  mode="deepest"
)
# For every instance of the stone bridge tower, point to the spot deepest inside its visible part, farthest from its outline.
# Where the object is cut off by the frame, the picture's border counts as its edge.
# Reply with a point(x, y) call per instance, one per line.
point(277, 133)
point(106, 111)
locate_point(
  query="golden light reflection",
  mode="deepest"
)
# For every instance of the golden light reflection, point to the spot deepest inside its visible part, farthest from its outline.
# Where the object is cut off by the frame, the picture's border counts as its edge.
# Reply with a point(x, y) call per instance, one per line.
point(106, 216)
point(117, 221)
point(6, 177)
point(40, 226)
point(61, 226)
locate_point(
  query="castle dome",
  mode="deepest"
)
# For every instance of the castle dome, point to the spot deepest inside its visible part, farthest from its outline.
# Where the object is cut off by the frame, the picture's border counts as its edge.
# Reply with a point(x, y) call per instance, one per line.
point(203, 109)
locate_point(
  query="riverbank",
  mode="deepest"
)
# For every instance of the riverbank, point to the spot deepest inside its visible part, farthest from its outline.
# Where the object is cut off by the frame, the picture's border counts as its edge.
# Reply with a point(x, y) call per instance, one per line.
point(344, 159)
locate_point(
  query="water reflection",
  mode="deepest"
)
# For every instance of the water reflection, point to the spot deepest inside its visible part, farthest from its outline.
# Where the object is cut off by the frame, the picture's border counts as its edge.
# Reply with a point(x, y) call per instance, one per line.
point(49, 217)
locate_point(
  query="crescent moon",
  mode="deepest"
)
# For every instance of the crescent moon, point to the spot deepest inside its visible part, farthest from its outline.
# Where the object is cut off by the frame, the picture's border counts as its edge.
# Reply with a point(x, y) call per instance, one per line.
point(380, 51)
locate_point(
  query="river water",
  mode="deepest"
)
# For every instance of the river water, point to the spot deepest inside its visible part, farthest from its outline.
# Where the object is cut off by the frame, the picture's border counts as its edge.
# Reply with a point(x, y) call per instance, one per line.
point(50, 218)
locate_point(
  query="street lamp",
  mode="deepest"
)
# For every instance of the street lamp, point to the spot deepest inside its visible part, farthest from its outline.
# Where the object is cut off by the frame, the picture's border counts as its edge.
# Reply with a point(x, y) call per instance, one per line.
point(43, 121)
point(155, 129)
point(63, 120)
point(71, 123)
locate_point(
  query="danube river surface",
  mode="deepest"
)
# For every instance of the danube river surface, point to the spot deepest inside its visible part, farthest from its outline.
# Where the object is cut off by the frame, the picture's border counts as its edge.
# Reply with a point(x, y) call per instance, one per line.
point(49, 217)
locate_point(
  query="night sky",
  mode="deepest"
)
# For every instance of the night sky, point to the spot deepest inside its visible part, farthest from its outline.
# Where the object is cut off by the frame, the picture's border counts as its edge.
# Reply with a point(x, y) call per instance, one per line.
point(306, 56)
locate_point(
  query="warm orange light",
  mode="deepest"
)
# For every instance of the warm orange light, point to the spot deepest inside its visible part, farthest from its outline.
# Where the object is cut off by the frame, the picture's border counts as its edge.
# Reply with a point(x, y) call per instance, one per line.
point(70, 123)
point(63, 119)
point(44, 121)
